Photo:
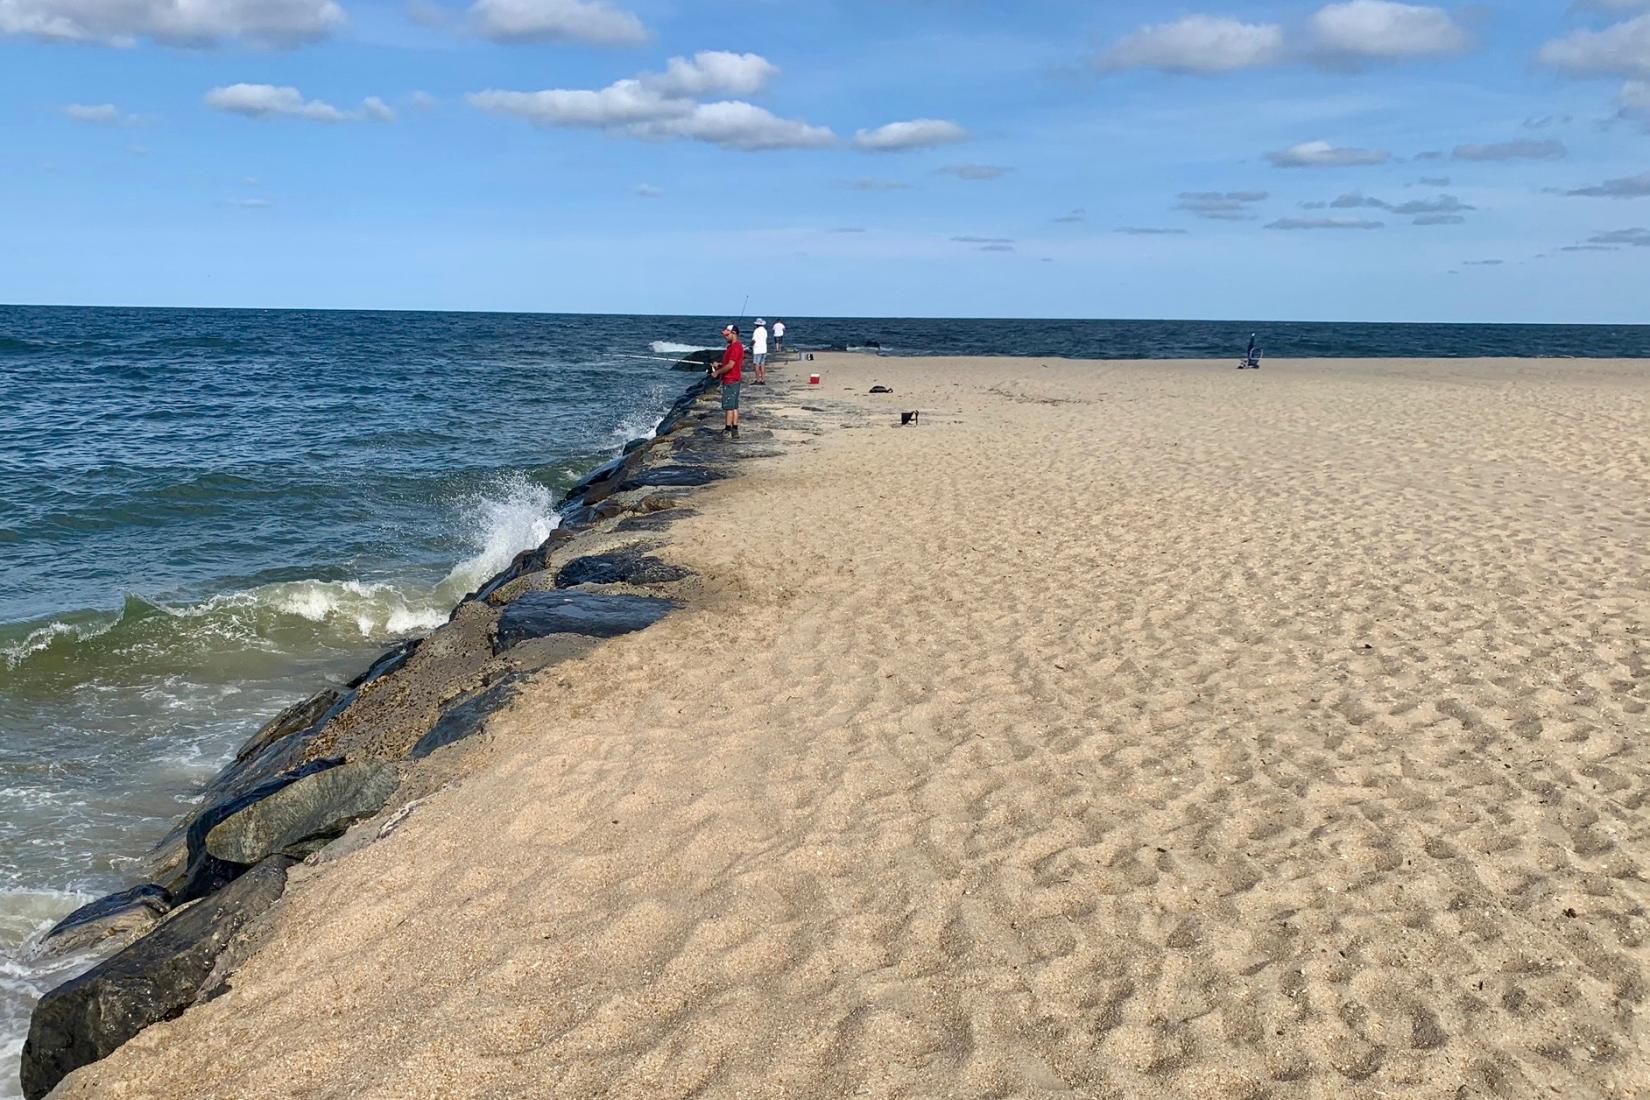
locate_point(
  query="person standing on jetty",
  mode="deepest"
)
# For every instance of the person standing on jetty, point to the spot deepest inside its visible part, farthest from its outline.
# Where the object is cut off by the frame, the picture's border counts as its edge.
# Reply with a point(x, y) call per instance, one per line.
point(779, 337)
point(759, 351)
point(730, 372)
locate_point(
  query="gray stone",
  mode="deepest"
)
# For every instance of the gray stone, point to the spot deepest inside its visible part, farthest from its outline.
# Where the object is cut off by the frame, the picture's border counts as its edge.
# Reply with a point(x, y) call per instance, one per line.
point(390, 661)
point(594, 615)
point(155, 979)
point(465, 718)
point(294, 719)
point(118, 918)
point(321, 805)
point(205, 873)
point(619, 567)
point(673, 475)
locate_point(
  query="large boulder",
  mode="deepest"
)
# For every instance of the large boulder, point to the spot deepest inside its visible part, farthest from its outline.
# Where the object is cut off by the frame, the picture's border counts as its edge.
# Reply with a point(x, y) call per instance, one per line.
point(629, 566)
point(539, 614)
point(205, 873)
point(297, 718)
point(465, 718)
point(155, 979)
point(673, 476)
point(320, 805)
point(117, 918)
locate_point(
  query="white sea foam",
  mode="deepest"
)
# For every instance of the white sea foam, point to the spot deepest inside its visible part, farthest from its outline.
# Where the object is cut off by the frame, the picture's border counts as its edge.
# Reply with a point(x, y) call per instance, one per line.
point(25, 914)
point(517, 515)
point(666, 347)
point(41, 639)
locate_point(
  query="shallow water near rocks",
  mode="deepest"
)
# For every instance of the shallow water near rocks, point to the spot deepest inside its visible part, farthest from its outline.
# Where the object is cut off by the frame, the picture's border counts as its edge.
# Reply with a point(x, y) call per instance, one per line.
point(205, 515)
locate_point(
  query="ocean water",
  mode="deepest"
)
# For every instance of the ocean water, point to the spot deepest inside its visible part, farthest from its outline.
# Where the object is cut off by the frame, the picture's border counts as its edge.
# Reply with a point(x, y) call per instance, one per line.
point(205, 514)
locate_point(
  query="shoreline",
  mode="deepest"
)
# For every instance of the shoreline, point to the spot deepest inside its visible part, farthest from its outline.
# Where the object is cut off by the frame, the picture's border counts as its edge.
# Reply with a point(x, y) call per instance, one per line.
point(294, 743)
point(1115, 718)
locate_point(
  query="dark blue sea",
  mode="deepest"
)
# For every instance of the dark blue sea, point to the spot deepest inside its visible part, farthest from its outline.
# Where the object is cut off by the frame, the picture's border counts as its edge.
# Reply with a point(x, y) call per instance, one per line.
point(206, 513)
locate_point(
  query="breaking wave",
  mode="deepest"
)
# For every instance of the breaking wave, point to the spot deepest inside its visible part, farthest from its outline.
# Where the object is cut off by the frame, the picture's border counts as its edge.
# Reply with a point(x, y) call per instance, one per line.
point(228, 634)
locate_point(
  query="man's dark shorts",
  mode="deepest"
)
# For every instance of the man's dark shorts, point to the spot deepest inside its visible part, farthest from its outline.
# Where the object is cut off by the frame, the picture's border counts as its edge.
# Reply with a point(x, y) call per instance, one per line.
point(730, 396)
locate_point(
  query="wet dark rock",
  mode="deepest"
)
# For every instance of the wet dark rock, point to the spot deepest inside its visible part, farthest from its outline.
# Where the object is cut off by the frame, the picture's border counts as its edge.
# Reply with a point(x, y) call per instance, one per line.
point(528, 561)
point(294, 719)
point(591, 614)
point(601, 475)
point(205, 873)
point(618, 567)
point(673, 476)
point(881, 389)
point(170, 862)
point(654, 521)
point(320, 805)
point(390, 662)
point(155, 979)
point(123, 917)
point(466, 717)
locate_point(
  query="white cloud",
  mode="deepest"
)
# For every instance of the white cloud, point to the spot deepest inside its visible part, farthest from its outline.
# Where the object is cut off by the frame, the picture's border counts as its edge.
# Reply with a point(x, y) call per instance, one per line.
point(1323, 223)
point(737, 125)
point(377, 110)
point(1383, 30)
point(1619, 50)
point(1148, 231)
point(270, 101)
point(975, 172)
point(712, 72)
point(593, 21)
point(1321, 154)
point(1197, 44)
point(424, 101)
point(194, 23)
point(1513, 150)
point(100, 114)
point(660, 106)
point(918, 133)
point(648, 191)
point(621, 103)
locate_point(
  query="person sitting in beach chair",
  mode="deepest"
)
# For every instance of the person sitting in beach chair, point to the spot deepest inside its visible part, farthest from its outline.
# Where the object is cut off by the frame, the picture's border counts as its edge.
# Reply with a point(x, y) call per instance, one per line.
point(1251, 358)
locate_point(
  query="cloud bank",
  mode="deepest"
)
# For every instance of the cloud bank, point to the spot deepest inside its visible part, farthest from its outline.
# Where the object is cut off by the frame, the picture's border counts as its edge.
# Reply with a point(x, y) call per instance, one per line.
point(1356, 31)
point(592, 21)
point(182, 23)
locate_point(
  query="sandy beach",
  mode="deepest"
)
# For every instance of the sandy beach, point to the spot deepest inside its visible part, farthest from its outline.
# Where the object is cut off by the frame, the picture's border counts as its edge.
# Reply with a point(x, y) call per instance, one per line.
point(1122, 730)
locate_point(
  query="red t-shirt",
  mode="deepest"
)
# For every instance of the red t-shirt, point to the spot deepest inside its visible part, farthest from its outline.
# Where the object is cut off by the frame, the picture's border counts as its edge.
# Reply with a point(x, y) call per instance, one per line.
point(734, 360)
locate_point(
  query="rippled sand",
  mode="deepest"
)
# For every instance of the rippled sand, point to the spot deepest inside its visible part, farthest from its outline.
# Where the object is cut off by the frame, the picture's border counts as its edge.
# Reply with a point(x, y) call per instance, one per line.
point(1123, 730)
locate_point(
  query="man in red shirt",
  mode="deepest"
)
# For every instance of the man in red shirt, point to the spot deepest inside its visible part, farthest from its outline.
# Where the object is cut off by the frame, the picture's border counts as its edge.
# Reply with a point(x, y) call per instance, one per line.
point(730, 372)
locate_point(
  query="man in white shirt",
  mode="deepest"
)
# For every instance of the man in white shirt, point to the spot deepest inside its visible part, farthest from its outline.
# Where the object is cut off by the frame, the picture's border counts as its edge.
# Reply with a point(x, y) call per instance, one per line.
point(759, 351)
point(779, 336)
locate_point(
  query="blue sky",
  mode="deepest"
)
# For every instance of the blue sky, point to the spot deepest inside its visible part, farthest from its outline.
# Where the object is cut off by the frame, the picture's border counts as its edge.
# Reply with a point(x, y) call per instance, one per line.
point(1360, 160)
